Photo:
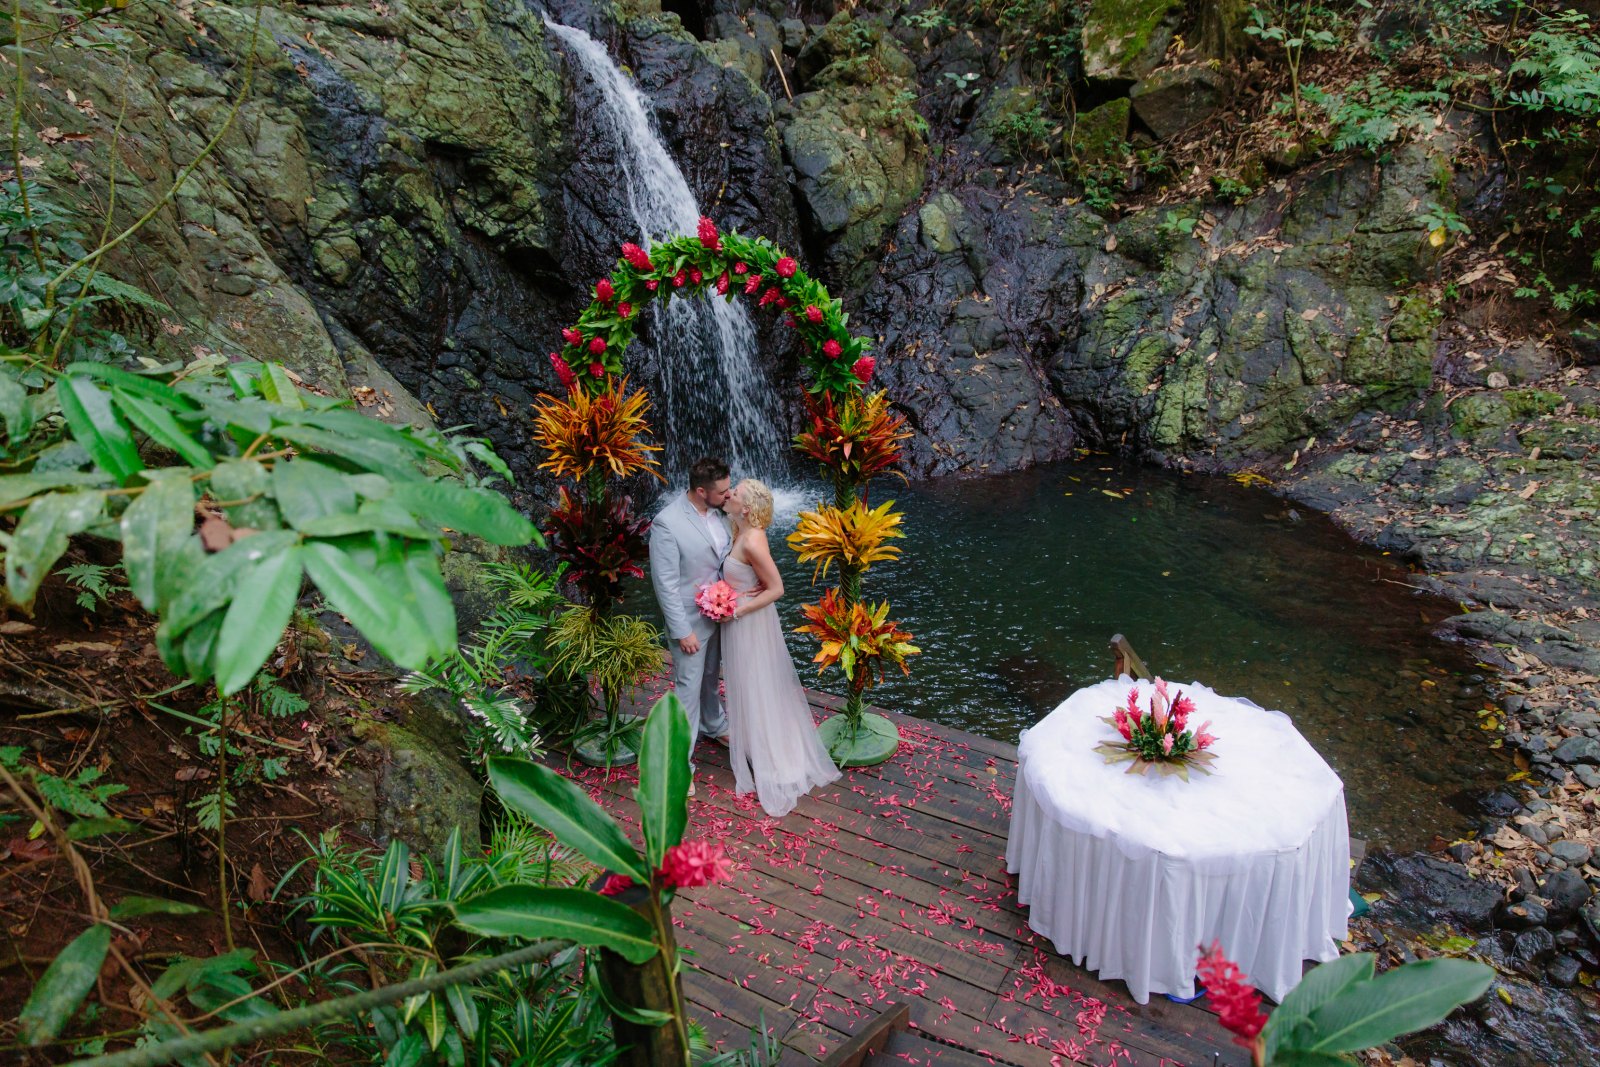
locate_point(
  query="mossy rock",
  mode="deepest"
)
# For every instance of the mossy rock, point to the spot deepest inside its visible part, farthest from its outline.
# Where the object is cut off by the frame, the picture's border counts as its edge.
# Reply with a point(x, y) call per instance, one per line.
point(1100, 136)
point(1123, 40)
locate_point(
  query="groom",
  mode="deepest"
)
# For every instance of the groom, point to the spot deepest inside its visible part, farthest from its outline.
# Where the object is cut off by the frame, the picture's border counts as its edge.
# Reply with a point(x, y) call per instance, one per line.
point(688, 542)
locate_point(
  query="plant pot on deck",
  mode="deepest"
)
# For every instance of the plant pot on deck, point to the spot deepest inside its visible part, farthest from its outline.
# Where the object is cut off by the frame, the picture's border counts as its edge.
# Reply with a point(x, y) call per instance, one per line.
point(871, 740)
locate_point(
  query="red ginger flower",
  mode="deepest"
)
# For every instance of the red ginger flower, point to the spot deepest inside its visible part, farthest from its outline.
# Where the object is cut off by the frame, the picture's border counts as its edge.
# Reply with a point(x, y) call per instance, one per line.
point(786, 267)
point(636, 257)
point(769, 296)
point(722, 284)
point(695, 277)
point(813, 314)
point(678, 279)
point(740, 267)
point(572, 336)
point(708, 234)
point(603, 291)
point(652, 285)
point(752, 285)
point(863, 368)
point(597, 369)
point(614, 885)
point(624, 310)
point(1236, 1000)
point(1182, 708)
point(695, 863)
point(563, 371)
point(831, 348)
point(597, 345)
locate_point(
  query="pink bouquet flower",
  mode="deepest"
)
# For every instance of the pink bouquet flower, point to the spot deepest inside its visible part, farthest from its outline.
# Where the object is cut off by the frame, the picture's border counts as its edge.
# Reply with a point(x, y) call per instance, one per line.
point(1159, 737)
point(717, 600)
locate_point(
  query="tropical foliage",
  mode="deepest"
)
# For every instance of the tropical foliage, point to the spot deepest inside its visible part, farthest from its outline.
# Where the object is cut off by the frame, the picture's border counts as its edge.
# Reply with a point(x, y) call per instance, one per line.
point(600, 540)
point(858, 637)
point(853, 436)
point(852, 536)
point(585, 431)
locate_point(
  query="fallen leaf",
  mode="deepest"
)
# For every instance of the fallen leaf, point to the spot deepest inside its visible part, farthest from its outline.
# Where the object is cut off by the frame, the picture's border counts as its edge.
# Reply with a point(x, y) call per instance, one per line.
point(190, 774)
point(16, 626)
point(259, 889)
point(85, 646)
point(216, 533)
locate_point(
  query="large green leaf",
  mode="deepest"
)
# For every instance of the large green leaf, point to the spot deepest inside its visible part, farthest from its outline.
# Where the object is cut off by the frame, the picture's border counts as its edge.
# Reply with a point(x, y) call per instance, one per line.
point(384, 615)
point(471, 511)
point(63, 986)
point(276, 386)
point(1317, 988)
point(243, 488)
point(561, 806)
point(435, 609)
point(154, 528)
point(663, 792)
point(98, 428)
point(15, 487)
point(42, 536)
point(395, 461)
point(307, 491)
point(213, 582)
point(159, 424)
point(254, 624)
point(1302, 1058)
point(16, 410)
point(1397, 1002)
point(134, 907)
point(532, 913)
point(137, 384)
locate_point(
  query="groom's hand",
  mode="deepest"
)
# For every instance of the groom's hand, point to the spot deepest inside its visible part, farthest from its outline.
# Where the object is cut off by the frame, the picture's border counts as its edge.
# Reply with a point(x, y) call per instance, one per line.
point(690, 644)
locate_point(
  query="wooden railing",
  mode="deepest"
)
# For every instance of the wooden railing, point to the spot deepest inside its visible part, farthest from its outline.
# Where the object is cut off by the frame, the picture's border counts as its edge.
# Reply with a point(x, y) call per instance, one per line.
point(1128, 661)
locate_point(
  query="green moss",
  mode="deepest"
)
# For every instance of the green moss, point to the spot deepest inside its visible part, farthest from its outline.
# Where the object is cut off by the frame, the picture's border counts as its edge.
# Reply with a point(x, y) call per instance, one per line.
point(1527, 403)
point(1100, 136)
point(1117, 33)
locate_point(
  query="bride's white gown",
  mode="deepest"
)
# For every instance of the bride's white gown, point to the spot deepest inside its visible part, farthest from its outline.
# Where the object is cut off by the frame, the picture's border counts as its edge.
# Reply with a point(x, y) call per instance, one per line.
point(772, 740)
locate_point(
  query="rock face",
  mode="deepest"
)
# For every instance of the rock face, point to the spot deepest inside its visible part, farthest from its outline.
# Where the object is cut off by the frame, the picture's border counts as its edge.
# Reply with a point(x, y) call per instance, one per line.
point(854, 140)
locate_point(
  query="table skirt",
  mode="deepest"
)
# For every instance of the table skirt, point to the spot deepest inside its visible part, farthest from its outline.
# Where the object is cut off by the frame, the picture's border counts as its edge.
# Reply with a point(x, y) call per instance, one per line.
point(1144, 917)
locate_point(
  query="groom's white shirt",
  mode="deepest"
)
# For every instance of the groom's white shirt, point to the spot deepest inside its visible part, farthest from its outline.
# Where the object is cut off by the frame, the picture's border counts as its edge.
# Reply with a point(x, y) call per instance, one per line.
point(686, 552)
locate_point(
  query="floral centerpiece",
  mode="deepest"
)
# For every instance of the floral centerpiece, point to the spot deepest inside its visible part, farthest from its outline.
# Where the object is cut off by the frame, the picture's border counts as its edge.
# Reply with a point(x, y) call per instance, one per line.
point(717, 600)
point(1160, 737)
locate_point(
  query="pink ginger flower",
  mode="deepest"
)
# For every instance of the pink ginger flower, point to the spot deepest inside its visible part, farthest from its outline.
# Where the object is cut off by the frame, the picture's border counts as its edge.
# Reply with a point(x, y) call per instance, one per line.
point(603, 290)
point(572, 336)
point(786, 267)
point(1123, 728)
point(636, 257)
point(1166, 745)
point(1182, 708)
point(813, 314)
point(563, 370)
point(1236, 1001)
point(695, 863)
point(615, 884)
point(597, 345)
point(707, 232)
point(752, 284)
point(1203, 739)
point(722, 284)
point(832, 349)
point(740, 267)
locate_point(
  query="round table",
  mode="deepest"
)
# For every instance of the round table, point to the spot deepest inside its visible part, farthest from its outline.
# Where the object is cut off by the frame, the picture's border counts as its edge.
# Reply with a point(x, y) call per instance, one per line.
point(1131, 874)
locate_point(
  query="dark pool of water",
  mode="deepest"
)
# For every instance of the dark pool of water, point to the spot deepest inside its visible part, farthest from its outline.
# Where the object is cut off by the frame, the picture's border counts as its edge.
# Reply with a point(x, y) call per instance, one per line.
point(1013, 584)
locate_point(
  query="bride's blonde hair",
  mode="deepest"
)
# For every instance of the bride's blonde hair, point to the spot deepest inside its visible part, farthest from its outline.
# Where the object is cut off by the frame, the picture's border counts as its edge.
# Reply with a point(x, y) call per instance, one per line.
point(758, 501)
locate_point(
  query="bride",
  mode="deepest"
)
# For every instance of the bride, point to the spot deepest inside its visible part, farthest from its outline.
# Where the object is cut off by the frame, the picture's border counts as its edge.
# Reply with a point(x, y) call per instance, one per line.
point(772, 740)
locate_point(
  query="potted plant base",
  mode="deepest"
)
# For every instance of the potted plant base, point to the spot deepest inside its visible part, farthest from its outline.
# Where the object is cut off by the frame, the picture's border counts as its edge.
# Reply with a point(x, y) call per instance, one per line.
point(871, 740)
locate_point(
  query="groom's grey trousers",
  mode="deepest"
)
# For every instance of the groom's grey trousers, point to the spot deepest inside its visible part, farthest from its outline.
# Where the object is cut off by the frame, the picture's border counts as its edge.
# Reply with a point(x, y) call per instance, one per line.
point(683, 558)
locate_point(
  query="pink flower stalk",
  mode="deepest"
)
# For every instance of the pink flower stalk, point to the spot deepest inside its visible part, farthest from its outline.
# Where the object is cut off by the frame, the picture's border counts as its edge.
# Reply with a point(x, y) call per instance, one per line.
point(813, 314)
point(1202, 739)
point(695, 863)
point(597, 345)
point(1236, 1000)
point(615, 884)
point(752, 284)
point(572, 336)
point(695, 277)
point(1133, 705)
point(636, 257)
point(652, 285)
point(769, 296)
point(624, 310)
point(1123, 726)
point(740, 267)
point(864, 367)
point(708, 234)
point(1182, 708)
point(598, 370)
point(563, 370)
point(678, 279)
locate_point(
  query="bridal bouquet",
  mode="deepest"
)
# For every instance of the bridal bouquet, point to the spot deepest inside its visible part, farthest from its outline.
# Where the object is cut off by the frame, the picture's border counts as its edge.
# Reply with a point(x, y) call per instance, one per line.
point(1160, 737)
point(717, 600)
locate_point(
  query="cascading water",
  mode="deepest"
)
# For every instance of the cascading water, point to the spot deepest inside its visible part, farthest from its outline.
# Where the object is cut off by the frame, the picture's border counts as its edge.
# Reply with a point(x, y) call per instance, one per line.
point(710, 398)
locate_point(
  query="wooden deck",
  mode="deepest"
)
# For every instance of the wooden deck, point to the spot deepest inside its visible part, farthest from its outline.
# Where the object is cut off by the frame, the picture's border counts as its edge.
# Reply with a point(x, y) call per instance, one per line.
point(890, 885)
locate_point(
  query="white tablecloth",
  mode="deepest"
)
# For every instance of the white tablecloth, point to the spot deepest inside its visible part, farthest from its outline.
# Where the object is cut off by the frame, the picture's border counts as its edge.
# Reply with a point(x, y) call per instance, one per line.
point(1130, 874)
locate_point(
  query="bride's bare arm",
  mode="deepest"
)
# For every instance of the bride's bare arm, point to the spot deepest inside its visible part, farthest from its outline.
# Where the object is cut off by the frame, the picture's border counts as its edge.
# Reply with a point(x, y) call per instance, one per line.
point(759, 556)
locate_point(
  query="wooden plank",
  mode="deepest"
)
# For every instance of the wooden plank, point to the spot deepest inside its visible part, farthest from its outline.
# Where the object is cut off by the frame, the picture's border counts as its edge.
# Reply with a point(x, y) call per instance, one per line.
point(871, 1038)
point(907, 1048)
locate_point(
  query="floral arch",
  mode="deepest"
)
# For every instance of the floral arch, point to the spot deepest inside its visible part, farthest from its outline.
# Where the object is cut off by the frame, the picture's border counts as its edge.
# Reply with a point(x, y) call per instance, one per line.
point(597, 435)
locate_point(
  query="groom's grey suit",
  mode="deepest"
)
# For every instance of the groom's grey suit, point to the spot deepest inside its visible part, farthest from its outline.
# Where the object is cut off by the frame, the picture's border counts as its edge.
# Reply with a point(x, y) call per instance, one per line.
point(682, 559)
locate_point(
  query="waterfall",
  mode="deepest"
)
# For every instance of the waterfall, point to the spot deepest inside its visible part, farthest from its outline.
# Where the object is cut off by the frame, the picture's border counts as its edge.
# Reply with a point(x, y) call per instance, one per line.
point(704, 406)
